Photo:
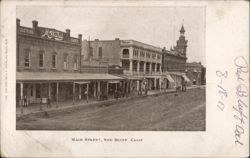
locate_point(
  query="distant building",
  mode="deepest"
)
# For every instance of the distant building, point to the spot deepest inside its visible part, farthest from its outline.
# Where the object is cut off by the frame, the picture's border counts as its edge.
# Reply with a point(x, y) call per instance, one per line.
point(196, 72)
point(174, 60)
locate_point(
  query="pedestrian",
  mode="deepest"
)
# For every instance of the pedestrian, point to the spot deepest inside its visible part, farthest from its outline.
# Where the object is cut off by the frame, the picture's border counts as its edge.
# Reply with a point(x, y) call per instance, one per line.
point(116, 94)
point(185, 86)
point(85, 93)
point(48, 103)
point(25, 101)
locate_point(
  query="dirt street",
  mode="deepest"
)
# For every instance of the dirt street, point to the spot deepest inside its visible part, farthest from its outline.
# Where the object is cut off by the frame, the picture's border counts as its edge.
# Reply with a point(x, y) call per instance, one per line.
point(171, 112)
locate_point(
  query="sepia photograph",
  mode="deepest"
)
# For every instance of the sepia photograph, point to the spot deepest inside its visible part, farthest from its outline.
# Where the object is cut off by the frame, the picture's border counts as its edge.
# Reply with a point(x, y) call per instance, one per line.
point(150, 78)
point(110, 68)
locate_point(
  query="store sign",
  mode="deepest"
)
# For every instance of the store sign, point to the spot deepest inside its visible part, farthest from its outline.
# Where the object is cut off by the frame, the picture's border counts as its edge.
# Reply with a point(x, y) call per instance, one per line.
point(52, 34)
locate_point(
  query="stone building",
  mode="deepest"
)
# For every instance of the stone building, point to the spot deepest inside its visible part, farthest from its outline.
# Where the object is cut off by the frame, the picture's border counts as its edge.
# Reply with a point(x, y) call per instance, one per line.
point(49, 66)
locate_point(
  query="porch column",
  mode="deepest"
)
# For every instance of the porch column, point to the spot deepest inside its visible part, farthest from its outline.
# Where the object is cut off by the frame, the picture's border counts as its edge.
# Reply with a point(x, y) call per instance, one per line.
point(73, 98)
point(94, 89)
point(87, 92)
point(21, 96)
point(80, 91)
point(144, 67)
point(130, 66)
point(49, 90)
point(140, 82)
point(107, 89)
point(21, 92)
point(160, 84)
point(160, 69)
point(41, 101)
point(98, 89)
point(155, 83)
point(138, 67)
point(127, 88)
point(57, 90)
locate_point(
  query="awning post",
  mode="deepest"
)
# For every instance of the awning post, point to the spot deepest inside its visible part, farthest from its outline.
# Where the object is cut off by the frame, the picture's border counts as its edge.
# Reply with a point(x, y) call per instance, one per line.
point(87, 93)
point(80, 91)
point(41, 99)
point(21, 96)
point(107, 89)
point(98, 89)
point(57, 90)
point(49, 90)
point(73, 96)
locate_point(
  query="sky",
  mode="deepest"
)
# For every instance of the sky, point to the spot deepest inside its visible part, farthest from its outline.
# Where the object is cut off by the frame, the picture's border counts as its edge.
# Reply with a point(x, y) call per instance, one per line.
point(158, 26)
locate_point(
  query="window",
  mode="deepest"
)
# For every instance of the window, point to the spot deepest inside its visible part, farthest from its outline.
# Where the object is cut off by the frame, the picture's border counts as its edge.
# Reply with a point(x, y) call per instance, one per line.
point(41, 59)
point(125, 53)
point(148, 55)
point(91, 52)
point(75, 62)
point(53, 60)
point(159, 57)
point(142, 54)
point(65, 62)
point(27, 58)
point(38, 92)
point(100, 52)
point(153, 56)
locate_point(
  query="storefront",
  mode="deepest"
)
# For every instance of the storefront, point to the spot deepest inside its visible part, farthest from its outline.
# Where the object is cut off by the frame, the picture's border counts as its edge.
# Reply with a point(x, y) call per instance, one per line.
point(44, 87)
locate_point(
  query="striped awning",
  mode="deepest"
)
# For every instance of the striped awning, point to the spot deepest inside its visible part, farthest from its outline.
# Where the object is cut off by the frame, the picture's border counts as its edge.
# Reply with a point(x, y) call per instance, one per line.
point(170, 79)
point(186, 78)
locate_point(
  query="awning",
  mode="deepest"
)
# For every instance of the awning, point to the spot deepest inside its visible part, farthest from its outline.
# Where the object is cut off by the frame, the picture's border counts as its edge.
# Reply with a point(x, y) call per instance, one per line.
point(186, 78)
point(170, 79)
point(130, 77)
point(113, 82)
point(58, 76)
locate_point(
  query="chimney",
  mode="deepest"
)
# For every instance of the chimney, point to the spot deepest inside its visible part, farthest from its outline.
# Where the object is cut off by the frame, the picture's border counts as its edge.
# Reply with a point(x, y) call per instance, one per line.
point(96, 39)
point(67, 33)
point(18, 22)
point(80, 37)
point(35, 26)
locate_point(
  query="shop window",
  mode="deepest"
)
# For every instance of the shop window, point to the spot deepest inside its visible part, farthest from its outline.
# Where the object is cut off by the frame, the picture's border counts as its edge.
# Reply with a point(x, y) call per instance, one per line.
point(38, 92)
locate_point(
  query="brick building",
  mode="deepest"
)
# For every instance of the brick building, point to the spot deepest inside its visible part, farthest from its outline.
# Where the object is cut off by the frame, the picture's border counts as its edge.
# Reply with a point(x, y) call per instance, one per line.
point(196, 72)
point(49, 66)
point(174, 60)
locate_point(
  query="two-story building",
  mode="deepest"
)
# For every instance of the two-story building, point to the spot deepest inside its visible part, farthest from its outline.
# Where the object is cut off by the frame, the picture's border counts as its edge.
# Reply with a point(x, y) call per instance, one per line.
point(49, 66)
point(196, 72)
point(141, 62)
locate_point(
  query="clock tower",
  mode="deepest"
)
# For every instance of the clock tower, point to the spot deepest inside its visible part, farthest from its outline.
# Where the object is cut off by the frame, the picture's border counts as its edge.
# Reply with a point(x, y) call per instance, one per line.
point(182, 43)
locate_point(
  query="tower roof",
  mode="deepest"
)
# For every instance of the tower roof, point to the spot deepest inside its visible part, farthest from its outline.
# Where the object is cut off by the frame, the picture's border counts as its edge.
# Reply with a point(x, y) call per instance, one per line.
point(182, 29)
